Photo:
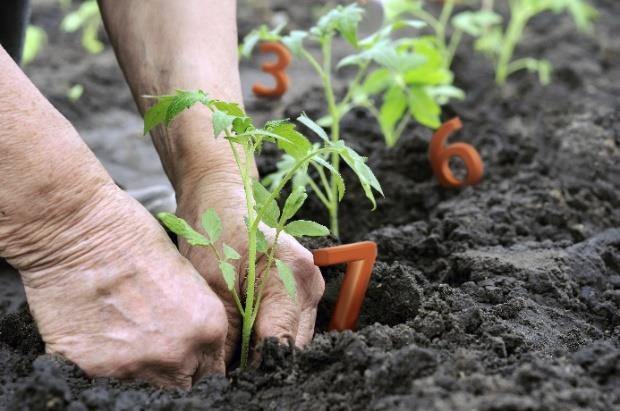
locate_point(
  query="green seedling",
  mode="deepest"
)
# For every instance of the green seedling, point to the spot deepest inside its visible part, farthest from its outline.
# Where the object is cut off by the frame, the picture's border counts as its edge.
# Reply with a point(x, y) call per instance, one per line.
point(500, 43)
point(88, 19)
point(396, 80)
point(448, 28)
point(245, 141)
point(34, 42)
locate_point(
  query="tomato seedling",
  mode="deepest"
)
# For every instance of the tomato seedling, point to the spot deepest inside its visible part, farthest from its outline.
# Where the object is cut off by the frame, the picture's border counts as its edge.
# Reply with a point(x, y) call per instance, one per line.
point(244, 138)
point(500, 44)
point(408, 76)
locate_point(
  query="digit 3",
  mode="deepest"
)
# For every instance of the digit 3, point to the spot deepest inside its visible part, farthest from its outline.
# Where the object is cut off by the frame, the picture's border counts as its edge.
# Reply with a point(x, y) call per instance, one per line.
point(277, 69)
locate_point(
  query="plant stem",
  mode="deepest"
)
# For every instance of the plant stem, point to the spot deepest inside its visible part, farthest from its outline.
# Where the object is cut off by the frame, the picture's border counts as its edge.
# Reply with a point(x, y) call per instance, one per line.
point(517, 23)
point(246, 332)
point(265, 276)
point(455, 40)
point(326, 46)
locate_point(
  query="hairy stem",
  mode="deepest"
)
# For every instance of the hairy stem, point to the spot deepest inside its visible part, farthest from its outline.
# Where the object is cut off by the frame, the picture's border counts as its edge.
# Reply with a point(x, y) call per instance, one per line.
point(334, 112)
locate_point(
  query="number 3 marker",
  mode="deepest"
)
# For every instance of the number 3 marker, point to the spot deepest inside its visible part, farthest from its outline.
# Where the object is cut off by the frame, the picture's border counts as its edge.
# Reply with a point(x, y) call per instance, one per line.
point(276, 69)
point(360, 258)
point(439, 156)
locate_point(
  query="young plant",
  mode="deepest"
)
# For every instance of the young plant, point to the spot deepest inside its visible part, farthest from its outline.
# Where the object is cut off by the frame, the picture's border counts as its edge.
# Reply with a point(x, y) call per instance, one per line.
point(244, 138)
point(447, 39)
point(87, 18)
point(34, 42)
point(500, 44)
point(408, 76)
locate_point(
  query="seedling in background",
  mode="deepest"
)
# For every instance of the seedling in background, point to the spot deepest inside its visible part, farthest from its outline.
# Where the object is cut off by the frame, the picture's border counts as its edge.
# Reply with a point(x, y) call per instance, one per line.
point(262, 206)
point(34, 42)
point(408, 76)
point(500, 44)
point(88, 19)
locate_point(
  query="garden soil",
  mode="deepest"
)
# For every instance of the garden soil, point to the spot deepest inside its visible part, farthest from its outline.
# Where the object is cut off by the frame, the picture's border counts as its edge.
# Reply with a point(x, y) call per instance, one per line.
point(502, 296)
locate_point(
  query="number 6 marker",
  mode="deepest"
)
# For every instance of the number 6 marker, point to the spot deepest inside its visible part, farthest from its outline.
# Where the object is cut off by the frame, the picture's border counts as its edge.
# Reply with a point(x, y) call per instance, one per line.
point(439, 156)
point(276, 69)
point(360, 258)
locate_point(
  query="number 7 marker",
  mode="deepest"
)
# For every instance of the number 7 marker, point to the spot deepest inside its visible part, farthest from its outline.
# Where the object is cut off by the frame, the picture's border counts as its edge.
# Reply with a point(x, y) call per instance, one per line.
point(360, 258)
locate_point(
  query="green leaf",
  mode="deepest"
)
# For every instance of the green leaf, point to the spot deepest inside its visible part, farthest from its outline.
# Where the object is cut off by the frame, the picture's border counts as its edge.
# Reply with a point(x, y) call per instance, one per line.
point(157, 113)
point(377, 81)
point(443, 94)
point(212, 224)
point(393, 108)
point(221, 122)
point(34, 41)
point(293, 143)
point(293, 203)
point(262, 246)
point(232, 109)
point(181, 228)
point(308, 122)
point(395, 8)
point(423, 108)
point(184, 100)
point(340, 187)
point(229, 274)
point(364, 173)
point(230, 253)
point(264, 203)
point(294, 41)
point(288, 279)
point(301, 228)
point(343, 20)
point(476, 23)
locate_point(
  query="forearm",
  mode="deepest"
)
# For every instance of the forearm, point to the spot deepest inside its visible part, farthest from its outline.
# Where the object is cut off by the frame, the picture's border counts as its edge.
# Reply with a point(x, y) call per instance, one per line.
point(163, 46)
point(44, 165)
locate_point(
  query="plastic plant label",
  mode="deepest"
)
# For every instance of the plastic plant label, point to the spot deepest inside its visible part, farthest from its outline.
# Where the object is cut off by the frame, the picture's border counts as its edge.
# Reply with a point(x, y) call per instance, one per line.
point(360, 259)
point(439, 156)
point(277, 69)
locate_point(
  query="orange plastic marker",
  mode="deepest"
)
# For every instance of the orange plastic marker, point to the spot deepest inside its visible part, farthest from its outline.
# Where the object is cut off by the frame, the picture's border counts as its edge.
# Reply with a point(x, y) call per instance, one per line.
point(439, 156)
point(276, 69)
point(360, 258)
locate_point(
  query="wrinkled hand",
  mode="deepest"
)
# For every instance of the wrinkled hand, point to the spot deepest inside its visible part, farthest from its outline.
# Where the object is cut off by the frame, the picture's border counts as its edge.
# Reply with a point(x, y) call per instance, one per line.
point(278, 315)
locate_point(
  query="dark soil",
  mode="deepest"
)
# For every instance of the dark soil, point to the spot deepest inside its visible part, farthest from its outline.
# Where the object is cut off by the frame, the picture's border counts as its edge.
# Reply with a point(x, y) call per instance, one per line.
point(503, 296)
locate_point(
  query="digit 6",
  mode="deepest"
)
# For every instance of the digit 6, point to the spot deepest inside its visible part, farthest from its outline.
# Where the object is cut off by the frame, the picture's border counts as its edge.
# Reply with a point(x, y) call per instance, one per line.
point(439, 157)
point(360, 258)
point(276, 69)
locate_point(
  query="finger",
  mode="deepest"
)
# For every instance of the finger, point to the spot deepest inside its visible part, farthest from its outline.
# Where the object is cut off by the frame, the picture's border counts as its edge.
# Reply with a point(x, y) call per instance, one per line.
point(202, 262)
point(305, 331)
point(278, 315)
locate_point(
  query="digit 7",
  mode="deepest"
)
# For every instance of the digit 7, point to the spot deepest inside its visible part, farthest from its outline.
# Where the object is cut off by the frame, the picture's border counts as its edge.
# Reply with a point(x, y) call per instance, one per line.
point(360, 259)
point(439, 156)
point(276, 69)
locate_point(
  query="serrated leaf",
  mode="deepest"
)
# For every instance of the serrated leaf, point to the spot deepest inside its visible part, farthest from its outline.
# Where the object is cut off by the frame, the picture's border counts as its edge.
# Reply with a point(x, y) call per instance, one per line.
point(308, 122)
point(306, 228)
point(293, 203)
point(221, 122)
point(293, 142)
point(183, 100)
point(423, 108)
point(395, 8)
point(377, 81)
point(287, 278)
point(364, 173)
point(343, 20)
point(232, 109)
point(181, 228)
point(229, 274)
point(264, 203)
point(340, 187)
point(392, 109)
point(230, 253)
point(294, 41)
point(157, 113)
point(212, 224)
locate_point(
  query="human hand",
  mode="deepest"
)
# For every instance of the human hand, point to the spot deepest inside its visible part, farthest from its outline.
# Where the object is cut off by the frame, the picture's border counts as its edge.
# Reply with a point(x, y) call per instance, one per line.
point(278, 315)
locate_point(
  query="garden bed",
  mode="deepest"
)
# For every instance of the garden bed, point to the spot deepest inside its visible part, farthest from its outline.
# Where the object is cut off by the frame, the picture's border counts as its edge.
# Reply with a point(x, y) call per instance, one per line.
point(502, 296)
